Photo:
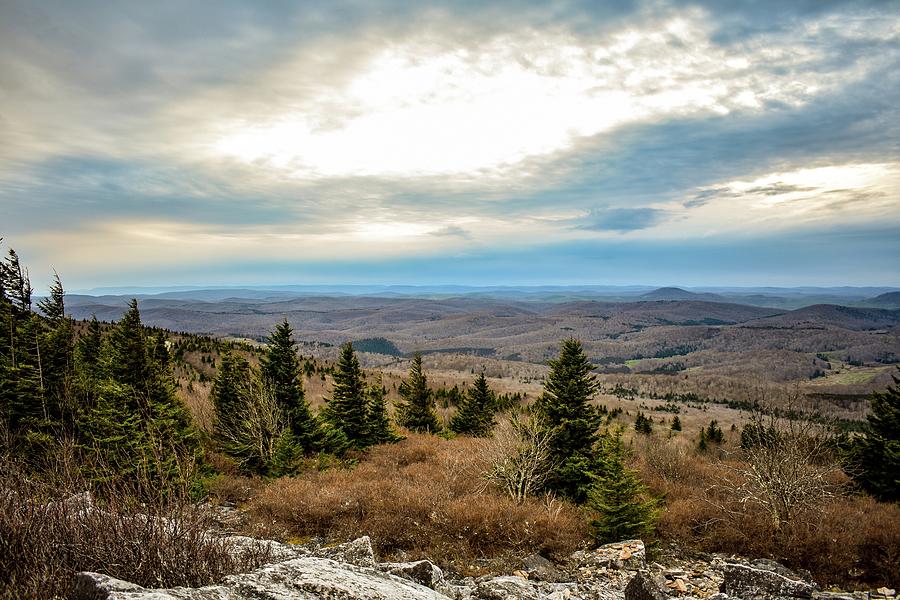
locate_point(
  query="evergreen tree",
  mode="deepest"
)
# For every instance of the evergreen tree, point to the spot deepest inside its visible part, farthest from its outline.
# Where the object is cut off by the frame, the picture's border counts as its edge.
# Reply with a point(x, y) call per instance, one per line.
point(701, 443)
point(137, 387)
point(617, 498)
point(754, 434)
point(281, 370)
point(16, 284)
point(676, 423)
point(416, 410)
point(642, 424)
point(347, 410)
point(379, 425)
point(714, 433)
point(87, 351)
point(126, 358)
point(57, 356)
point(877, 450)
point(227, 398)
point(475, 415)
point(53, 306)
point(564, 409)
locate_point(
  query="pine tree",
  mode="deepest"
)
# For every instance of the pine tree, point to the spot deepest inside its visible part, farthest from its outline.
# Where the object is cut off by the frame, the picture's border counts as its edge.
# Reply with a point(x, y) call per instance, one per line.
point(564, 409)
point(475, 415)
point(379, 425)
point(347, 410)
point(416, 410)
point(281, 370)
point(676, 423)
point(877, 450)
point(617, 498)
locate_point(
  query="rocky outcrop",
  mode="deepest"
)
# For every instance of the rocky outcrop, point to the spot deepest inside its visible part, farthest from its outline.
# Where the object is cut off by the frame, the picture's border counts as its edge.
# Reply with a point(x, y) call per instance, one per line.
point(306, 578)
point(350, 571)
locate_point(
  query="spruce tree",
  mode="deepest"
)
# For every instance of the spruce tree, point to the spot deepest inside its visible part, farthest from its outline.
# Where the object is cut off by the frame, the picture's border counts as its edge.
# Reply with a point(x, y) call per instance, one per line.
point(475, 415)
point(642, 424)
point(714, 433)
point(379, 424)
point(676, 423)
point(281, 370)
point(347, 410)
point(701, 442)
point(877, 450)
point(229, 404)
point(617, 498)
point(416, 410)
point(126, 359)
point(138, 386)
point(565, 411)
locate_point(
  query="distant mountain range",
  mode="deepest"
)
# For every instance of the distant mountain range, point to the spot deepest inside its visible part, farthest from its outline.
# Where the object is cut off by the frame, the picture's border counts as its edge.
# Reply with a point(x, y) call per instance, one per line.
point(772, 297)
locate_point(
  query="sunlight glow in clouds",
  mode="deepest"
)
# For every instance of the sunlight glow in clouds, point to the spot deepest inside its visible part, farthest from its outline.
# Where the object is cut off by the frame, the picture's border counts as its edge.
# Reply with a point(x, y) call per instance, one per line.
point(852, 193)
point(414, 110)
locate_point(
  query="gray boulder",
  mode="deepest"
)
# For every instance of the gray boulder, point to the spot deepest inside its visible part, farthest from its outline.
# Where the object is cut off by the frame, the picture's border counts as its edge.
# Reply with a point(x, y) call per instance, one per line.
point(423, 572)
point(764, 581)
point(644, 587)
point(358, 552)
point(542, 569)
point(306, 578)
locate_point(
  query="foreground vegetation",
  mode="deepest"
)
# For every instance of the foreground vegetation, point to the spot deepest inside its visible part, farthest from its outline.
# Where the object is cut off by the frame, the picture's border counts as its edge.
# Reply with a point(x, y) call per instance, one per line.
point(95, 407)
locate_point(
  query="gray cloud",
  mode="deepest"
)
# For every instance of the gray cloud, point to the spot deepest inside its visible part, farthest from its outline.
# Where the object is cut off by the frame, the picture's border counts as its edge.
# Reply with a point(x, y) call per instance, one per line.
point(94, 98)
point(621, 219)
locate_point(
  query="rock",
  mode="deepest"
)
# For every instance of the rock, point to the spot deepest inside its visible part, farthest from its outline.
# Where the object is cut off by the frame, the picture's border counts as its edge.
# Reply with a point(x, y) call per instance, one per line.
point(840, 596)
point(423, 572)
point(95, 586)
point(763, 581)
point(306, 578)
point(644, 587)
point(270, 550)
point(506, 588)
point(538, 567)
point(678, 585)
point(886, 592)
point(358, 552)
point(629, 554)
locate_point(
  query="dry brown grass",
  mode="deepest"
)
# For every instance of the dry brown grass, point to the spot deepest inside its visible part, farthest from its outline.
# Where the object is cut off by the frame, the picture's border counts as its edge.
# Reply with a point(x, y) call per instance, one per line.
point(846, 540)
point(421, 497)
point(48, 533)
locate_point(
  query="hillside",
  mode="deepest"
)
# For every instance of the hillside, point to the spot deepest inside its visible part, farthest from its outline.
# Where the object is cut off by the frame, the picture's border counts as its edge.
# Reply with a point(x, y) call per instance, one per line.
point(886, 300)
point(719, 348)
point(674, 293)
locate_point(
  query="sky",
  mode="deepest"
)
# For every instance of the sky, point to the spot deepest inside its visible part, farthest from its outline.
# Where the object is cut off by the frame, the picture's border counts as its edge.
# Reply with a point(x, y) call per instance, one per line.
point(480, 143)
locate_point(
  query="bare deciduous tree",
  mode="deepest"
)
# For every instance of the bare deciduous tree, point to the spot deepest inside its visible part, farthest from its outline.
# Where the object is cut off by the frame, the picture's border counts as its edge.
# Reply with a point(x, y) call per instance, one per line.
point(255, 436)
point(787, 466)
point(519, 460)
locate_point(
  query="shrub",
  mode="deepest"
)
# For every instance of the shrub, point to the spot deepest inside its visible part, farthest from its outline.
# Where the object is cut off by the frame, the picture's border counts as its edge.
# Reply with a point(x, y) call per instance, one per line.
point(422, 496)
point(47, 534)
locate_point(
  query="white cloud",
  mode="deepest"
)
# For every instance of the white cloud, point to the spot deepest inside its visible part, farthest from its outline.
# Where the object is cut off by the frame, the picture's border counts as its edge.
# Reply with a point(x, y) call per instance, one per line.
point(423, 106)
point(847, 194)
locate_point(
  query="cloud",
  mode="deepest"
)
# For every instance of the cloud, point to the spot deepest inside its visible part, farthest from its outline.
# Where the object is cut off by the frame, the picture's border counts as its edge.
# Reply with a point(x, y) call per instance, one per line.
point(622, 219)
point(227, 131)
point(453, 230)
